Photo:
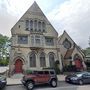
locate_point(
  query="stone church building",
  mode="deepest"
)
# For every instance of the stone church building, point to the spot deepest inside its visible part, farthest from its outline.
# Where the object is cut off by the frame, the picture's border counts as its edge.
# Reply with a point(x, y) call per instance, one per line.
point(36, 44)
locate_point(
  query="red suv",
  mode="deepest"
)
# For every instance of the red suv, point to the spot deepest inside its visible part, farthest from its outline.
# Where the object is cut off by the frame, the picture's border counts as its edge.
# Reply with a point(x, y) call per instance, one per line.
point(40, 77)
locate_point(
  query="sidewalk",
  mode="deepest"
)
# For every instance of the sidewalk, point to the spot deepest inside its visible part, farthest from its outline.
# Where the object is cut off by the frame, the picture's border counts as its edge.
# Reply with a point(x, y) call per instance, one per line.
point(61, 77)
point(11, 81)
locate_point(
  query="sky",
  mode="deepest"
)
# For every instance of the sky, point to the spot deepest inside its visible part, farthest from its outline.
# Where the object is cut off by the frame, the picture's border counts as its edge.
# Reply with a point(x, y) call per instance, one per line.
point(73, 16)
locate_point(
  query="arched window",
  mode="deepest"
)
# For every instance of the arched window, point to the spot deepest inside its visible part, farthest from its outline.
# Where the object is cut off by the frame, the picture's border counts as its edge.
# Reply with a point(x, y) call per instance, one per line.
point(32, 59)
point(31, 25)
point(35, 25)
point(51, 60)
point(42, 60)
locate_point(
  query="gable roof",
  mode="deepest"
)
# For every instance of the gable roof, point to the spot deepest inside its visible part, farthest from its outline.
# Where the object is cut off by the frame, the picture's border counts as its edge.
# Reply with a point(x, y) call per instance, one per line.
point(73, 42)
point(35, 10)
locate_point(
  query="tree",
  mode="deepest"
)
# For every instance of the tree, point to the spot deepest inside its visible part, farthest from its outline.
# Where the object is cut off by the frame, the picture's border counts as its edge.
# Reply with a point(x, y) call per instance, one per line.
point(4, 43)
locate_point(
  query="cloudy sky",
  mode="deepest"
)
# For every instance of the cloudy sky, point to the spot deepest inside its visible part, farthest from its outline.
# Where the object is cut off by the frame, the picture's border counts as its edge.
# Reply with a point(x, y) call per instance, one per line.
point(70, 15)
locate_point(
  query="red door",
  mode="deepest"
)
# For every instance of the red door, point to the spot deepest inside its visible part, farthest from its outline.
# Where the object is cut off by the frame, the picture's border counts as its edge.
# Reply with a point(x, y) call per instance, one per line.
point(18, 66)
point(78, 64)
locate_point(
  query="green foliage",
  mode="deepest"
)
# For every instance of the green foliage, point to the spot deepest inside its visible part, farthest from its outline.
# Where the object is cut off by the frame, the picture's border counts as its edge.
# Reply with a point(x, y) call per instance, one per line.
point(4, 40)
point(69, 68)
point(28, 71)
point(87, 51)
point(88, 64)
point(55, 67)
point(4, 62)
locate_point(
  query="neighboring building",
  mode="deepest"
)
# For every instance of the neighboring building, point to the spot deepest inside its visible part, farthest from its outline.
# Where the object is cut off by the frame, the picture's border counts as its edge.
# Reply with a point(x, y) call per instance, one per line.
point(35, 44)
point(71, 54)
point(87, 56)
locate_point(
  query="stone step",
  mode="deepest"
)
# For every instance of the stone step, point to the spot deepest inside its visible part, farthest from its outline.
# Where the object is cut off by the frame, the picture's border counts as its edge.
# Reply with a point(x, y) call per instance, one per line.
point(17, 76)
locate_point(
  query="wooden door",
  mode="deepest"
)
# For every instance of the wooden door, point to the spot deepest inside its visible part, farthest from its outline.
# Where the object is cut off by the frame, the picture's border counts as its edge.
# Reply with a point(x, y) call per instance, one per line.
point(78, 64)
point(18, 66)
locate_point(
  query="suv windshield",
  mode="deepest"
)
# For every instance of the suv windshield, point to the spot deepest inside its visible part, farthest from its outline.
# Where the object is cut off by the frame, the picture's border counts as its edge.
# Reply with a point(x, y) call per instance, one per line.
point(52, 72)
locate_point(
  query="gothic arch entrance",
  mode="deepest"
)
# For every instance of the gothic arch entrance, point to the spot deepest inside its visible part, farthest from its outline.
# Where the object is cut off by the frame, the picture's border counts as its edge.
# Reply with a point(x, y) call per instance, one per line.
point(78, 62)
point(18, 66)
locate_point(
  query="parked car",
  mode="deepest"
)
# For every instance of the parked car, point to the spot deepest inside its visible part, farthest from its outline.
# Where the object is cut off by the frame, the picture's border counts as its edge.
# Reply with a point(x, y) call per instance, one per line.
point(40, 77)
point(3, 82)
point(78, 78)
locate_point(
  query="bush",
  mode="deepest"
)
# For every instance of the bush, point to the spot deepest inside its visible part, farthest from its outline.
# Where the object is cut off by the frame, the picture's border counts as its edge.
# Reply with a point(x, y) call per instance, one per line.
point(57, 70)
point(69, 68)
point(4, 62)
point(28, 71)
point(88, 64)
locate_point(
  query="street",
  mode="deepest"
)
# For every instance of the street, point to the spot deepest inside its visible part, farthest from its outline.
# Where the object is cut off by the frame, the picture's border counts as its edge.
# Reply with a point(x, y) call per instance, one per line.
point(61, 86)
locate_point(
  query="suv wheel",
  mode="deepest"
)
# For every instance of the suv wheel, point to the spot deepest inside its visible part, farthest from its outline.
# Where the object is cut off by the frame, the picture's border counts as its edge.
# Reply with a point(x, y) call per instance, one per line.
point(30, 85)
point(53, 83)
point(80, 82)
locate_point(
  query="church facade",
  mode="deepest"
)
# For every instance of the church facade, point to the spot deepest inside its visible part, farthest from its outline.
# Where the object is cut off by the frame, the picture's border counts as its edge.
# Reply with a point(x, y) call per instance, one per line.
point(36, 45)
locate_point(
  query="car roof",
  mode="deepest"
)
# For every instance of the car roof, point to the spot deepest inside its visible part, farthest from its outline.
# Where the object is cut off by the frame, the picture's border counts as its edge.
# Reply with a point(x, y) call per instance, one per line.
point(44, 70)
point(83, 72)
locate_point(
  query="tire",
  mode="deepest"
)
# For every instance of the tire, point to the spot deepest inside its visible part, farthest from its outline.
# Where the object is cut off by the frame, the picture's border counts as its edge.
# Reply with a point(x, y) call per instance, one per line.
point(80, 82)
point(30, 85)
point(53, 83)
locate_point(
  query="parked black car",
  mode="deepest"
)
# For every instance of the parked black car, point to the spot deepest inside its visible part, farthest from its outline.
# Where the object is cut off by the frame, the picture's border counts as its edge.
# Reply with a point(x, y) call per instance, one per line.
point(78, 78)
point(3, 82)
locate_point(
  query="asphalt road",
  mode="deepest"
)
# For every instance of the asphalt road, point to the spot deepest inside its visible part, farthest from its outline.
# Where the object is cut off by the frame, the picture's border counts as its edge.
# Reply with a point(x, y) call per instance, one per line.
point(61, 86)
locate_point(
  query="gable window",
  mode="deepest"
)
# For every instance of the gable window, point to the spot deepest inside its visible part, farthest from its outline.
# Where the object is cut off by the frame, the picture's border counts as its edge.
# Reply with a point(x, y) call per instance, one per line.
point(22, 39)
point(35, 25)
point(27, 24)
point(31, 25)
point(32, 59)
point(42, 60)
point(43, 26)
point(67, 44)
point(39, 26)
point(49, 41)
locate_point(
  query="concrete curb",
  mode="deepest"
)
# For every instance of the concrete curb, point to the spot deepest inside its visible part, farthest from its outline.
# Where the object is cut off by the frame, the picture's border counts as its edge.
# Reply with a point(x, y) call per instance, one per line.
point(13, 84)
point(22, 84)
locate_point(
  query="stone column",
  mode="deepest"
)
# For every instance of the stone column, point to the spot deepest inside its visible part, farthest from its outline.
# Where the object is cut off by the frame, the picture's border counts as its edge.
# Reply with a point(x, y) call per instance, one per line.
point(37, 61)
point(59, 55)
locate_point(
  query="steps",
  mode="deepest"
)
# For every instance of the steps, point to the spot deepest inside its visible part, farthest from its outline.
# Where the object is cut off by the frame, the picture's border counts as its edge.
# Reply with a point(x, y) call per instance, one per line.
point(17, 76)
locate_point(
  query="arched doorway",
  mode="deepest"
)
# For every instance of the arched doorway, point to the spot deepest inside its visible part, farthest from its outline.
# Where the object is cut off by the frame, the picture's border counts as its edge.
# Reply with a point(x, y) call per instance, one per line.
point(18, 66)
point(78, 62)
